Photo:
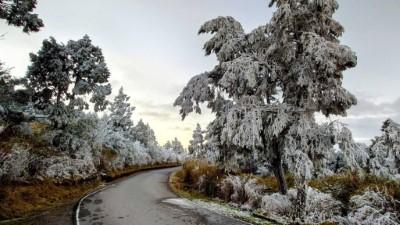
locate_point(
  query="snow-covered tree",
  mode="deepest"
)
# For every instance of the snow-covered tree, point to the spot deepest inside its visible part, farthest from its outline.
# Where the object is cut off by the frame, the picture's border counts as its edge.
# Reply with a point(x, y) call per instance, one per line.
point(355, 156)
point(177, 146)
point(121, 112)
point(385, 151)
point(49, 74)
point(60, 73)
point(19, 13)
point(89, 74)
point(144, 134)
point(270, 82)
point(167, 145)
point(196, 144)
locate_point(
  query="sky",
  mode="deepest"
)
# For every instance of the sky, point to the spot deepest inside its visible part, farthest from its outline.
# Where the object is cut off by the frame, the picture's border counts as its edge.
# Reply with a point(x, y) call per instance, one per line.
point(152, 49)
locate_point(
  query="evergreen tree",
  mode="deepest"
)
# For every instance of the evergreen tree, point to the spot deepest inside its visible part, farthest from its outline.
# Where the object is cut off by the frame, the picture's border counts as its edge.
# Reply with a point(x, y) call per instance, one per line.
point(385, 152)
point(167, 145)
point(89, 74)
point(121, 112)
point(269, 84)
point(196, 144)
point(177, 146)
point(60, 73)
point(144, 134)
point(19, 13)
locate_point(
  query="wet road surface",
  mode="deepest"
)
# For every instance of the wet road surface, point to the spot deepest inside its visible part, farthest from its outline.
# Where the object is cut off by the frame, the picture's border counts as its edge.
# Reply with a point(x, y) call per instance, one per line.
point(145, 199)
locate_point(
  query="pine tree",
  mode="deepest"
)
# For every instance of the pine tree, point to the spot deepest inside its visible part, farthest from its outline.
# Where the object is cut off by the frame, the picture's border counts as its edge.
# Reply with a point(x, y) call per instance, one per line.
point(270, 82)
point(167, 145)
point(177, 146)
point(196, 144)
point(121, 112)
point(61, 73)
point(385, 152)
point(144, 134)
point(90, 74)
point(19, 13)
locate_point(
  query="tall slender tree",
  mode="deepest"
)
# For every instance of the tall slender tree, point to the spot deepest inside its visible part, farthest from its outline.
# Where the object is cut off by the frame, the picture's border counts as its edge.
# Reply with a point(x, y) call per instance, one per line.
point(196, 144)
point(121, 112)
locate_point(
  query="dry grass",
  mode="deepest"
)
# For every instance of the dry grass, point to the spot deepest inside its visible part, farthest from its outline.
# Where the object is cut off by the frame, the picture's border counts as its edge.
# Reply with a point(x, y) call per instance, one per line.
point(17, 200)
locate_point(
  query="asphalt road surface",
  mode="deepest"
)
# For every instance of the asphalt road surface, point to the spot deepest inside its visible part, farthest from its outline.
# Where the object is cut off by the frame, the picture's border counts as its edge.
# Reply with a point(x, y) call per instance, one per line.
point(145, 199)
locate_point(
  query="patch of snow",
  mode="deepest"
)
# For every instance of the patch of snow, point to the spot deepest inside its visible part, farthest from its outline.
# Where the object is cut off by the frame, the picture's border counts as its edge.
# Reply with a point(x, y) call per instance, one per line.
point(184, 203)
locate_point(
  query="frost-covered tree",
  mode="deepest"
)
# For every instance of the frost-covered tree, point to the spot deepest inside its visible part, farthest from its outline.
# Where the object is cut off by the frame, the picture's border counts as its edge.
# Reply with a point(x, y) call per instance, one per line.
point(385, 151)
point(89, 74)
point(144, 134)
point(121, 112)
point(354, 156)
point(196, 144)
point(270, 82)
point(19, 13)
point(177, 146)
point(49, 76)
point(61, 73)
point(167, 145)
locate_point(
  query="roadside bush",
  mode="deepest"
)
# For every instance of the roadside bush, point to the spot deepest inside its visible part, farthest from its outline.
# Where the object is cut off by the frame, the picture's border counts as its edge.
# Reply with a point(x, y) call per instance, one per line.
point(242, 191)
point(203, 177)
point(373, 207)
point(14, 166)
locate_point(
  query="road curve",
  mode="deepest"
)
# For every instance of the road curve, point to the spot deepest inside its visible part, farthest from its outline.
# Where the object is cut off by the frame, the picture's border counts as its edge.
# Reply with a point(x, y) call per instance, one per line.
point(144, 199)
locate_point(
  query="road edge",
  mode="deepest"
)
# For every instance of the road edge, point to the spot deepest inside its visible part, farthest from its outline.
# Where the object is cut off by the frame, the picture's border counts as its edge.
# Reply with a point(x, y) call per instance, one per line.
point(75, 213)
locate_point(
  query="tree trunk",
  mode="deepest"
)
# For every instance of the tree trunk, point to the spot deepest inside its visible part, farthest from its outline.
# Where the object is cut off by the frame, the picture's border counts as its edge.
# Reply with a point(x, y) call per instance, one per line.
point(300, 207)
point(278, 169)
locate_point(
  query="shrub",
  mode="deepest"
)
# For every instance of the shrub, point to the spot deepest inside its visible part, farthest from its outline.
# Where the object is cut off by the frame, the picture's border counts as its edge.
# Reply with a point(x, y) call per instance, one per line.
point(373, 207)
point(203, 177)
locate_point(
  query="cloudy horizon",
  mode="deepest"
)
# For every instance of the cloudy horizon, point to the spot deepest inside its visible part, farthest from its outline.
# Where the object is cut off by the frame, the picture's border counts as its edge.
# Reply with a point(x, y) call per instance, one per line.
point(152, 49)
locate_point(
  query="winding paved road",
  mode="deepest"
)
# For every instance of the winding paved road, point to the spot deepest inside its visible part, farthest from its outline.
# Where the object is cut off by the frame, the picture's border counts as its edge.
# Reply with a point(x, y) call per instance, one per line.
point(145, 199)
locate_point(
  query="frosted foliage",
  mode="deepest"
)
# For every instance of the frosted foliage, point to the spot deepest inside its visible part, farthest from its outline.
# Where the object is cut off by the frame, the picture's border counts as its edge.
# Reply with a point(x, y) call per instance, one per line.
point(322, 207)
point(177, 146)
point(144, 134)
point(121, 112)
point(196, 91)
point(228, 39)
point(319, 207)
point(243, 124)
point(268, 85)
point(67, 168)
point(196, 144)
point(373, 207)
point(355, 155)
point(277, 206)
point(15, 164)
point(385, 151)
point(242, 191)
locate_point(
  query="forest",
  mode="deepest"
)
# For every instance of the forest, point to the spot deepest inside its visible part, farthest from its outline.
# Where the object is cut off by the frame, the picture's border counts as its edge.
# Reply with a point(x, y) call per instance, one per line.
point(264, 151)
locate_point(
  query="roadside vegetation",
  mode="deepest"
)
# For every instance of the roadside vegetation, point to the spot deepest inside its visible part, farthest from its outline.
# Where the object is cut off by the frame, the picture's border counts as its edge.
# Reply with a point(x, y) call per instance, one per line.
point(336, 199)
point(60, 134)
point(272, 155)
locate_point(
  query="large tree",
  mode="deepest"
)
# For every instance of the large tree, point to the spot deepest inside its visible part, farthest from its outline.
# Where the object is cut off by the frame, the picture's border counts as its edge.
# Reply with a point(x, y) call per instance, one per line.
point(270, 82)
point(62, 76)
point(19, 13)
